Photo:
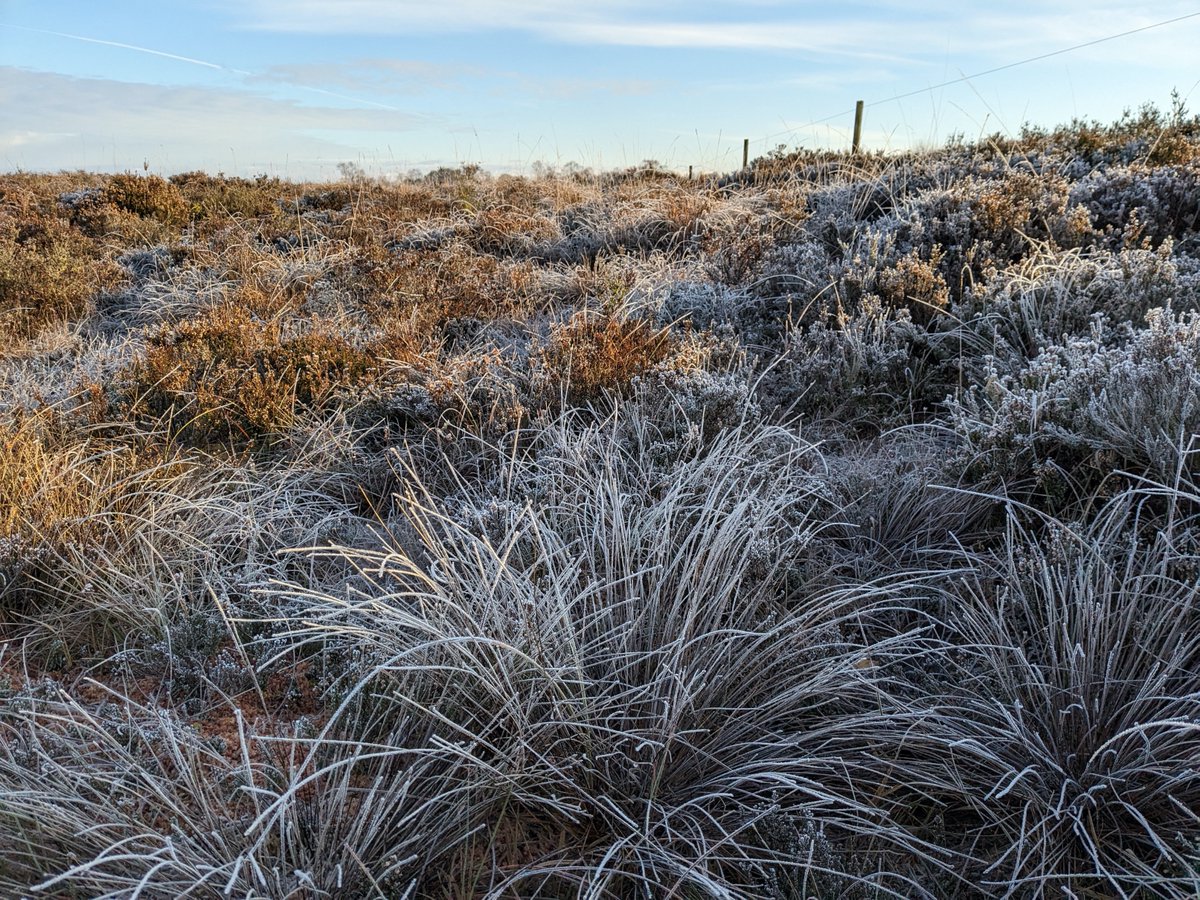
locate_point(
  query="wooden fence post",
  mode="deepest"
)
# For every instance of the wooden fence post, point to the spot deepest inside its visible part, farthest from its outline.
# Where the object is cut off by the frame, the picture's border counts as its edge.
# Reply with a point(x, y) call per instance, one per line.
point(745, 154)
point(858, 111)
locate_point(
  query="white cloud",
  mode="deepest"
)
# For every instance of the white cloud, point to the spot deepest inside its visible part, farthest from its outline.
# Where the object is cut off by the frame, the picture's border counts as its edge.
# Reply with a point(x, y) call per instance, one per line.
point(406, 77)
point(840, 39)
point(103, 123)
point(924, 29)
point(400, 16)
point(13, 139)
point(612, 22)
point(393, 77)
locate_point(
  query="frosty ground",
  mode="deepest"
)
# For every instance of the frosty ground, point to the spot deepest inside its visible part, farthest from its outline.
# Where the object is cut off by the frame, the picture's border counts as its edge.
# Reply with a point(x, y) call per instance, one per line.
point(828, 529)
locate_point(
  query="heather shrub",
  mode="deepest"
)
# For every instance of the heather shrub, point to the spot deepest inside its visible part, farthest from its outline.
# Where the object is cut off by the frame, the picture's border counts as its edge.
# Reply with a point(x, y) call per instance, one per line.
point(48, 275)
point(1147, 135)
point(990, 223)
point(795, 283)
point(430, 287)
point(591, 355)
point(837, 210)
point(481, 392)
point(705, 304)
point(877, 267)
point(228, 375)
point(732, 255)
point(41, 194)
point(227, 195)
point(1054, 295)
point(864, 370)
point(1141, 203)
point(147, 196)
point(330, 198)
point(686, 410)
point(129, 209)
point(915, 283)
point(1091, 408)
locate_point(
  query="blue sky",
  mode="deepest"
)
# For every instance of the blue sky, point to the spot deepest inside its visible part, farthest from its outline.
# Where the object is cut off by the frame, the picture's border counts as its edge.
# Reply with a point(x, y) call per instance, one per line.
point(293, 87)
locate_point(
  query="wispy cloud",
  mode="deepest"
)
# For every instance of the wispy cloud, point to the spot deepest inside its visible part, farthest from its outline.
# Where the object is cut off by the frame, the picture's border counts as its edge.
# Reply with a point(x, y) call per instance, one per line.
point(395, 77)
point(14, 139)
point(611, 22)
point(401, 16)
point(837, 39)
point(921, 29)
point(301, 83)
point(408, 77)
point(181, 123)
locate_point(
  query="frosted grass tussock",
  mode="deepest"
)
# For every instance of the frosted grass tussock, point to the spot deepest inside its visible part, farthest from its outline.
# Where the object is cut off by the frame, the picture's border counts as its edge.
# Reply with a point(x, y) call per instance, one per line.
point(1063, 753)
point(627, 680)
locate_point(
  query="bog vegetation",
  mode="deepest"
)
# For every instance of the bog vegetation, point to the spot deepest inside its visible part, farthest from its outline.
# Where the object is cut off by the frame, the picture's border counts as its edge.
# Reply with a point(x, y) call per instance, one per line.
point(830, 529)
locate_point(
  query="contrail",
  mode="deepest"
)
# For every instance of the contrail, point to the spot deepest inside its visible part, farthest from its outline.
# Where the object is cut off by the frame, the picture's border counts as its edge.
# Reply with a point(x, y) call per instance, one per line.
point(197, 62)
point(88, 40)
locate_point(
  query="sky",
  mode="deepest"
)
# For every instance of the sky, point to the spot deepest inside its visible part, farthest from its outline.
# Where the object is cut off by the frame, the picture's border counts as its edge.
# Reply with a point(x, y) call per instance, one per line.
point(296, 87)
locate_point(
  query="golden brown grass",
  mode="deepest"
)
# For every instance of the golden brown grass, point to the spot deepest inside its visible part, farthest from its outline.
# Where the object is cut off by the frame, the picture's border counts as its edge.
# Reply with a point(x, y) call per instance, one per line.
point(69, 503)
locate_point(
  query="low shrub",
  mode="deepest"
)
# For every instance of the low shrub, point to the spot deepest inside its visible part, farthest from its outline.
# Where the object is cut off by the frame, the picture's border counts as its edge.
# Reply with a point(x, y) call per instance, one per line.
point(593, 355)
point(147, 196)
point(208, 196)
point(1055, 295)
point(428, 288)
point(865, 371)
point(228, 375)
point(1092, 409)
point(48, 275)
point(1142, 203)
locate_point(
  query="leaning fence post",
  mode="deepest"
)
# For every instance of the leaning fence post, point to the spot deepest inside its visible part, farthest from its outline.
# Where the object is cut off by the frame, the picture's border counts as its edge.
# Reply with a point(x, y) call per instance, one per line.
point(858, 111)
